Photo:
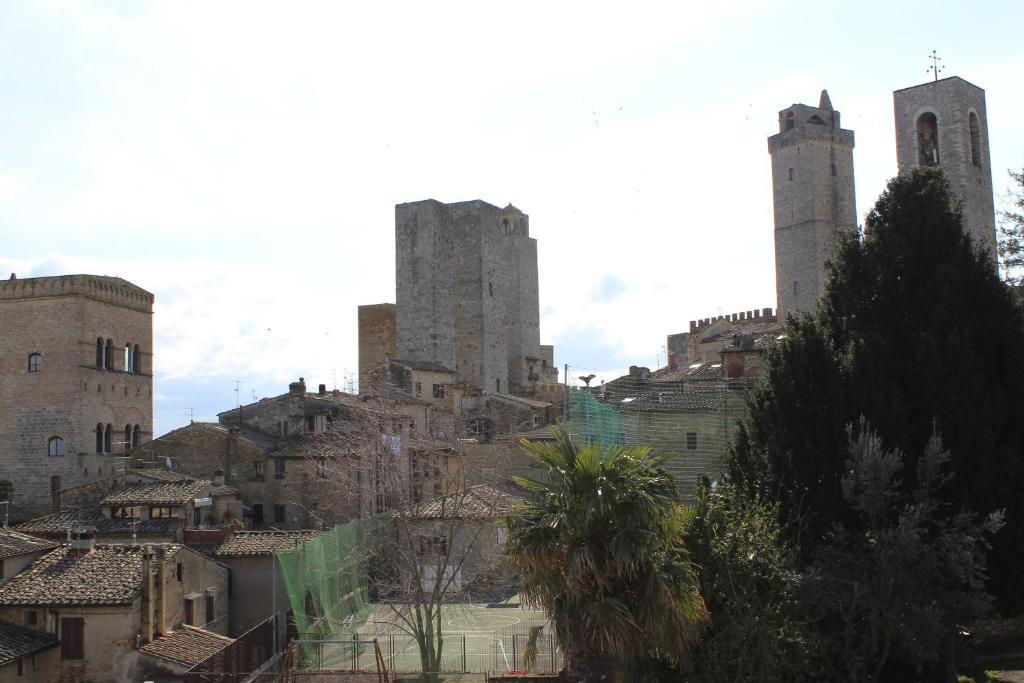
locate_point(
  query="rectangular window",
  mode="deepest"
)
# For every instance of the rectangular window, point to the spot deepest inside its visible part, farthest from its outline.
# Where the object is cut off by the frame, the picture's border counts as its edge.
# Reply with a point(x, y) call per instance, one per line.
point(161, 512)
point(179, 571)
point(258, 466)
point(419, 388)
point(122, 512)
point(189, 615)
point(72, 638)
point(321, 424)
point(279, 471)
point(321, 468)
point(438, 391)
point(257, 513)
point(209, 608)
point(691, 441)
point(30, 618)
point(21, 668)
point(279, 514)
point(197, 517)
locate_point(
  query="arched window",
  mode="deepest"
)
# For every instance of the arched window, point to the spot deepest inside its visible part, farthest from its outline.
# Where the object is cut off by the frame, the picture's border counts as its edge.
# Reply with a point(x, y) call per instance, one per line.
point(790, 122)
point(108, 354)
point(55, 446)
point(129, 360)
point(136, 360)
point(35, 362)
point(975, 140)
point(792, 174)
point(99, 352)
point(127, 436)
point(99, 438)
point(108, 437)
point(136, 434)
point(834, 170)
point(927, 140)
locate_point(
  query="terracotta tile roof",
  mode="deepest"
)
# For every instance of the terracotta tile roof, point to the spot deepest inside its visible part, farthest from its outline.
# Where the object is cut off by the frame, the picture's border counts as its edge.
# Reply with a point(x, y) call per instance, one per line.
point(56, 526)
point(158, 493)
point(694, 372)
point(108, 575)
point(223, 490)
point(760, 344)
point(263, 542)
point(15, 543)
point(186, 646)
point(17, 642)
point(665, 402)
point(477, 502)
point(161, 475)
point(520, 400)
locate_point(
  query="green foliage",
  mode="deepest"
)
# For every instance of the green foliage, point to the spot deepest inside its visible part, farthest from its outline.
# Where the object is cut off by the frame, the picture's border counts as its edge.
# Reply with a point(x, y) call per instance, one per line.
point(752, 589)
point(890, 591)
point(599, 548)
point(1011, 235)
point(917, 333)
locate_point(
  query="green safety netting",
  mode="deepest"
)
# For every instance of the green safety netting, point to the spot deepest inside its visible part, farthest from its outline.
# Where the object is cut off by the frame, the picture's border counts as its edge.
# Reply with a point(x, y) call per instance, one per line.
point(326, 579)
point(593, 421)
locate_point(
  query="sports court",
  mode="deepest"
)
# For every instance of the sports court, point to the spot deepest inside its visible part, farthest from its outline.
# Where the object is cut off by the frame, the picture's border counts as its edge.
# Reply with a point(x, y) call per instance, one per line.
point(477, 638)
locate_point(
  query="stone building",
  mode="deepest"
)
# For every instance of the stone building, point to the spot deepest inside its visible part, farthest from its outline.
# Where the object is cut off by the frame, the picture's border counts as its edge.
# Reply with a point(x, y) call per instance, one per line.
point(944, 123)
point(708, 336)
point(467, 297)
point(76, 382)
point(104, 601)
point(27, 655)
point(812, 180)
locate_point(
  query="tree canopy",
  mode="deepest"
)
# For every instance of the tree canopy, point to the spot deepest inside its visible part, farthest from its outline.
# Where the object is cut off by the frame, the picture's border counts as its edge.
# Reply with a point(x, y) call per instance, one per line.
point(916, 333)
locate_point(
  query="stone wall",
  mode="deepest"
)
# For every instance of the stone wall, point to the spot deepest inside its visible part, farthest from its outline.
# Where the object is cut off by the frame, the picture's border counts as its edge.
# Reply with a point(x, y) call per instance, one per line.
point(952, 101)
point(61, 318)
point(813, 189)
point(377, 338)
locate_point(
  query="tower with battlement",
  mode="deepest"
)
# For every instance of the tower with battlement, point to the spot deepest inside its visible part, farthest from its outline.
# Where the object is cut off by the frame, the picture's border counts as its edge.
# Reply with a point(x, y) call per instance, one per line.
point(76, 383)
point(944, 123)
point(813, 192)
point(467, 292)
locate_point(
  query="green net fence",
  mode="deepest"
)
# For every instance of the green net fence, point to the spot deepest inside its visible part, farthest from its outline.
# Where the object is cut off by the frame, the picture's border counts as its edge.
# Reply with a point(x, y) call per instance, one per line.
point(592, 421)
point(326, 579)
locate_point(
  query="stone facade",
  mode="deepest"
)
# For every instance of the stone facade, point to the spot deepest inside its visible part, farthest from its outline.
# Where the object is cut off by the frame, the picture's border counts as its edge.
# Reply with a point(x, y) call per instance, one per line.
point(812, 177)
point(467, 292)
point(75, 354)
point(376, 339)
point(944, 123)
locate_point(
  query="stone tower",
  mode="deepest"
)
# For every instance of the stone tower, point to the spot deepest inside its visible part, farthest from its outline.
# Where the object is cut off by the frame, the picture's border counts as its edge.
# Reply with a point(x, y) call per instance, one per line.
point(76, 382)
point(466, 280)
point(944, 123)
point(812, 179)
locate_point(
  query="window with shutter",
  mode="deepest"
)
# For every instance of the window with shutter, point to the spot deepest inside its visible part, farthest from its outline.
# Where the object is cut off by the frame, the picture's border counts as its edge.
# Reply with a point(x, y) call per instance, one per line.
point(72, 638)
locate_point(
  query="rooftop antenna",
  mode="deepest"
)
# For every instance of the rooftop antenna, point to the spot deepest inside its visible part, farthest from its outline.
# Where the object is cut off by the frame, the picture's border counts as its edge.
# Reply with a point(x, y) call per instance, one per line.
point(935, 68)
point(191, 412)
point(238, 402)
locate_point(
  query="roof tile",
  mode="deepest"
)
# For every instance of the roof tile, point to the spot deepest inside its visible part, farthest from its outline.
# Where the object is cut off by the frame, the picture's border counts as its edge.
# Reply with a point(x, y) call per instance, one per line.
point(15, 543)
point(17, 642)
point(187, 646)
point(263, 542)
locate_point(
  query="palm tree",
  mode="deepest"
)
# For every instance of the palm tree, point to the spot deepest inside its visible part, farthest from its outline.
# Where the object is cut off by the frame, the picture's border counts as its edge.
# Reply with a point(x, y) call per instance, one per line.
point(599, 548)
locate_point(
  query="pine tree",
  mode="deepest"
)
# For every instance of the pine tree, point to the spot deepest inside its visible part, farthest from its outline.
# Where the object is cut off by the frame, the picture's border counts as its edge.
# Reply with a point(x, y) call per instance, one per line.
point(924, 339)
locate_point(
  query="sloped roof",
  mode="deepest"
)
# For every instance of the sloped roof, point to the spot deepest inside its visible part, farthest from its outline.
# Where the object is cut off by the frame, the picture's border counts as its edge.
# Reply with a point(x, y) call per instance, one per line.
point(161, 475)
point(760, 344)
point(57, 524)
point(520, 400)
point(14, 543)
point(706, 371)
point(108, 575)
point(17, 642)
point(187, 646)
point(158, 493)
point(263, 542)
point(666, 402)
point(476, 502)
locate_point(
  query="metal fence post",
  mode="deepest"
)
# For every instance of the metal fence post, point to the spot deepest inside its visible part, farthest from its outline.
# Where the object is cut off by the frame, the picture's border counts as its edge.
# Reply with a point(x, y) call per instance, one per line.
point(515, 651)
point(464, 667)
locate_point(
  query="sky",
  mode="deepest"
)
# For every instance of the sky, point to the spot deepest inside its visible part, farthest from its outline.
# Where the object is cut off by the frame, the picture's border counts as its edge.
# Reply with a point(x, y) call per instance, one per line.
point(242, 160)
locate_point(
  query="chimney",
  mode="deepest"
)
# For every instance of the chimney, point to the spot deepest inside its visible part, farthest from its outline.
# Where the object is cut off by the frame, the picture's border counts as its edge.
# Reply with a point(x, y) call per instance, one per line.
point(148, 597)
point(298, 388)
point(218, 477)
point(336, 395)
point(81, 541)
point(322, 390)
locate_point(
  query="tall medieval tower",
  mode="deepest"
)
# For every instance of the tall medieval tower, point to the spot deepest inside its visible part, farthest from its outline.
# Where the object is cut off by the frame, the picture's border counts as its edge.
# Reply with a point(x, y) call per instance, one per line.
point(812, 178)
point(944, 123)
point(467, 292)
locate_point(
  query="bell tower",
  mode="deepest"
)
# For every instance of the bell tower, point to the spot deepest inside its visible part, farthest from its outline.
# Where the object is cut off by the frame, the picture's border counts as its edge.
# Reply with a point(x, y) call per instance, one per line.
point(944, 123)
point(813, 192)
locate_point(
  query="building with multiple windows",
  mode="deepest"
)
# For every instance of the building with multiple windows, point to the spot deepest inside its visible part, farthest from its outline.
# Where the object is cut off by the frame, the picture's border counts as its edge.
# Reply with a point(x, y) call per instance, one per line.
point(76, 383)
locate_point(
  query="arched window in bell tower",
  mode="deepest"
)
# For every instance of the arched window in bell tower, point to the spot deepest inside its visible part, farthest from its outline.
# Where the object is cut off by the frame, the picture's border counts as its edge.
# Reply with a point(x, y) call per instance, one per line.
point(790, 121)
point(975, 140)
point(927, 140)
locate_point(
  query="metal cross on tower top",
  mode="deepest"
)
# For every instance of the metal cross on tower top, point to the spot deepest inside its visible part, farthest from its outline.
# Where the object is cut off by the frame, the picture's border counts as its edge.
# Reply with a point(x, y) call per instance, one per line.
point(935, 68)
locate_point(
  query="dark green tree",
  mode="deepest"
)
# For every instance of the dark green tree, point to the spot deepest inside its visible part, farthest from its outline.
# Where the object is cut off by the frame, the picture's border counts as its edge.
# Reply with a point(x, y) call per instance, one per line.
point(917, 333)
point(1011, 234)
